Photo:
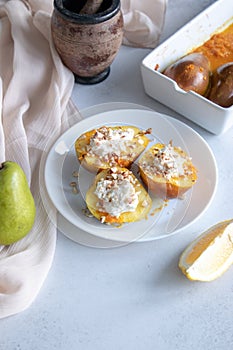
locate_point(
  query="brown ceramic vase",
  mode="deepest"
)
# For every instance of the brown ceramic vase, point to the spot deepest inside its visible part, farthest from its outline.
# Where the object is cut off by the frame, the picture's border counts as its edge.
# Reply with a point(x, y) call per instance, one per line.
point(87, 44)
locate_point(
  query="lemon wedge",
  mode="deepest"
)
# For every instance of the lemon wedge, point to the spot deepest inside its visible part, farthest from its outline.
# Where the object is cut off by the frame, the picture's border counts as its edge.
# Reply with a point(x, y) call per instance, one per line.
point(210, 255)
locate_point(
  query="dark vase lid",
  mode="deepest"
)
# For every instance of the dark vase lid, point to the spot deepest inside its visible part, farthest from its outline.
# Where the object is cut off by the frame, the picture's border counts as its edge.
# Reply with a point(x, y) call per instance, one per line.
point(66, 8)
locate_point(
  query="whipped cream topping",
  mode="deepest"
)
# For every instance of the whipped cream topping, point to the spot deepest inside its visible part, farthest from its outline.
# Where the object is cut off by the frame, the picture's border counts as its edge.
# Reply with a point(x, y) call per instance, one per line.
point(167, 162)
point(116, 193)
point(108, 141)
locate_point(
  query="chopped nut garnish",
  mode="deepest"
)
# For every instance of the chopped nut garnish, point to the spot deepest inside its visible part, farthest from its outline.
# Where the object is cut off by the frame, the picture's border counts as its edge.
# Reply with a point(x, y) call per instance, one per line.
point(75, 173)
point(116, 193)
point(167, 161)
point(102, 219)
point(112, 145)
point(74, 190)
point(87, 213)
point(74, 186)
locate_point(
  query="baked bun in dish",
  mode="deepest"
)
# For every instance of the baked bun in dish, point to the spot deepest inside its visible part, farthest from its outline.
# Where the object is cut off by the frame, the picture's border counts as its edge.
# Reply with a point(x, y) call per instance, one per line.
point(167, 171)
point(107, 146)
point(116, 197)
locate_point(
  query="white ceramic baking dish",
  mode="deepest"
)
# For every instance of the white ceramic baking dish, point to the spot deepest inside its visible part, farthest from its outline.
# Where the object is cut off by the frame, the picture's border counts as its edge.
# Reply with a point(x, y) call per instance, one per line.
point(203, 112)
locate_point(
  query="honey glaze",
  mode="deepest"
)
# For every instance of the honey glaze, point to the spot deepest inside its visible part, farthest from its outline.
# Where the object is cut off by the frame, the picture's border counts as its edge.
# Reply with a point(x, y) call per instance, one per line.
point(219, 48)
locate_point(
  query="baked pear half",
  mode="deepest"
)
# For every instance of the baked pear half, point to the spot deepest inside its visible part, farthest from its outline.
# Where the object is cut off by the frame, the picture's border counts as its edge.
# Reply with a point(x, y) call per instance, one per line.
point(167, 171)
point(116, 197)
point(105, 147)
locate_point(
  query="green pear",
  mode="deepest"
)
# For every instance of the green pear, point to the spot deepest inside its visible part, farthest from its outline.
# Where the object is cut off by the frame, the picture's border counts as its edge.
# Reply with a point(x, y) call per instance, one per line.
point(17, 207)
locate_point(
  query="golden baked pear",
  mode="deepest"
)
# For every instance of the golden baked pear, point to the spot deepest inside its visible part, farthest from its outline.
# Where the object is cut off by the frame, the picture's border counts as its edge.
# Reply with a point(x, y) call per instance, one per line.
point(116, 197)
point(191, 72)
point(107, 146)
point(167, 171)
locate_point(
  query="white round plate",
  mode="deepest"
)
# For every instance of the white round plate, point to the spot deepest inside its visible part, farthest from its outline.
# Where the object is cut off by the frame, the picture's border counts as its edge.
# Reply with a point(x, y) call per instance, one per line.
point(176, 215)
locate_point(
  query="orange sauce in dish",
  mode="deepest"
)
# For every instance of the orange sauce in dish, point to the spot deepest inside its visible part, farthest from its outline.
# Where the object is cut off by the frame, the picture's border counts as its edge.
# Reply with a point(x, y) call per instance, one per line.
point(219, 48)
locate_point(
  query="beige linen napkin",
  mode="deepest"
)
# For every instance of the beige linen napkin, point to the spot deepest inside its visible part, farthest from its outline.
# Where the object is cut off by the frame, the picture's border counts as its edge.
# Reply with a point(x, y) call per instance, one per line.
point(143, 22)
point(35, 107)
point(35, 88)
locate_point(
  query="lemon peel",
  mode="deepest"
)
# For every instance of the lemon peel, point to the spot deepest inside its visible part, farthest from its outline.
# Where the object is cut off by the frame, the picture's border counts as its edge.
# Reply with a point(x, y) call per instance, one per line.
point(210, 254)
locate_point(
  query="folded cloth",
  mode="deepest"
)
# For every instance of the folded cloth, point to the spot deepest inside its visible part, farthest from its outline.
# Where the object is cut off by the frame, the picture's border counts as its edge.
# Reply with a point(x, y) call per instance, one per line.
point(35, 90)
point(35, 106)
point(143, 22)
